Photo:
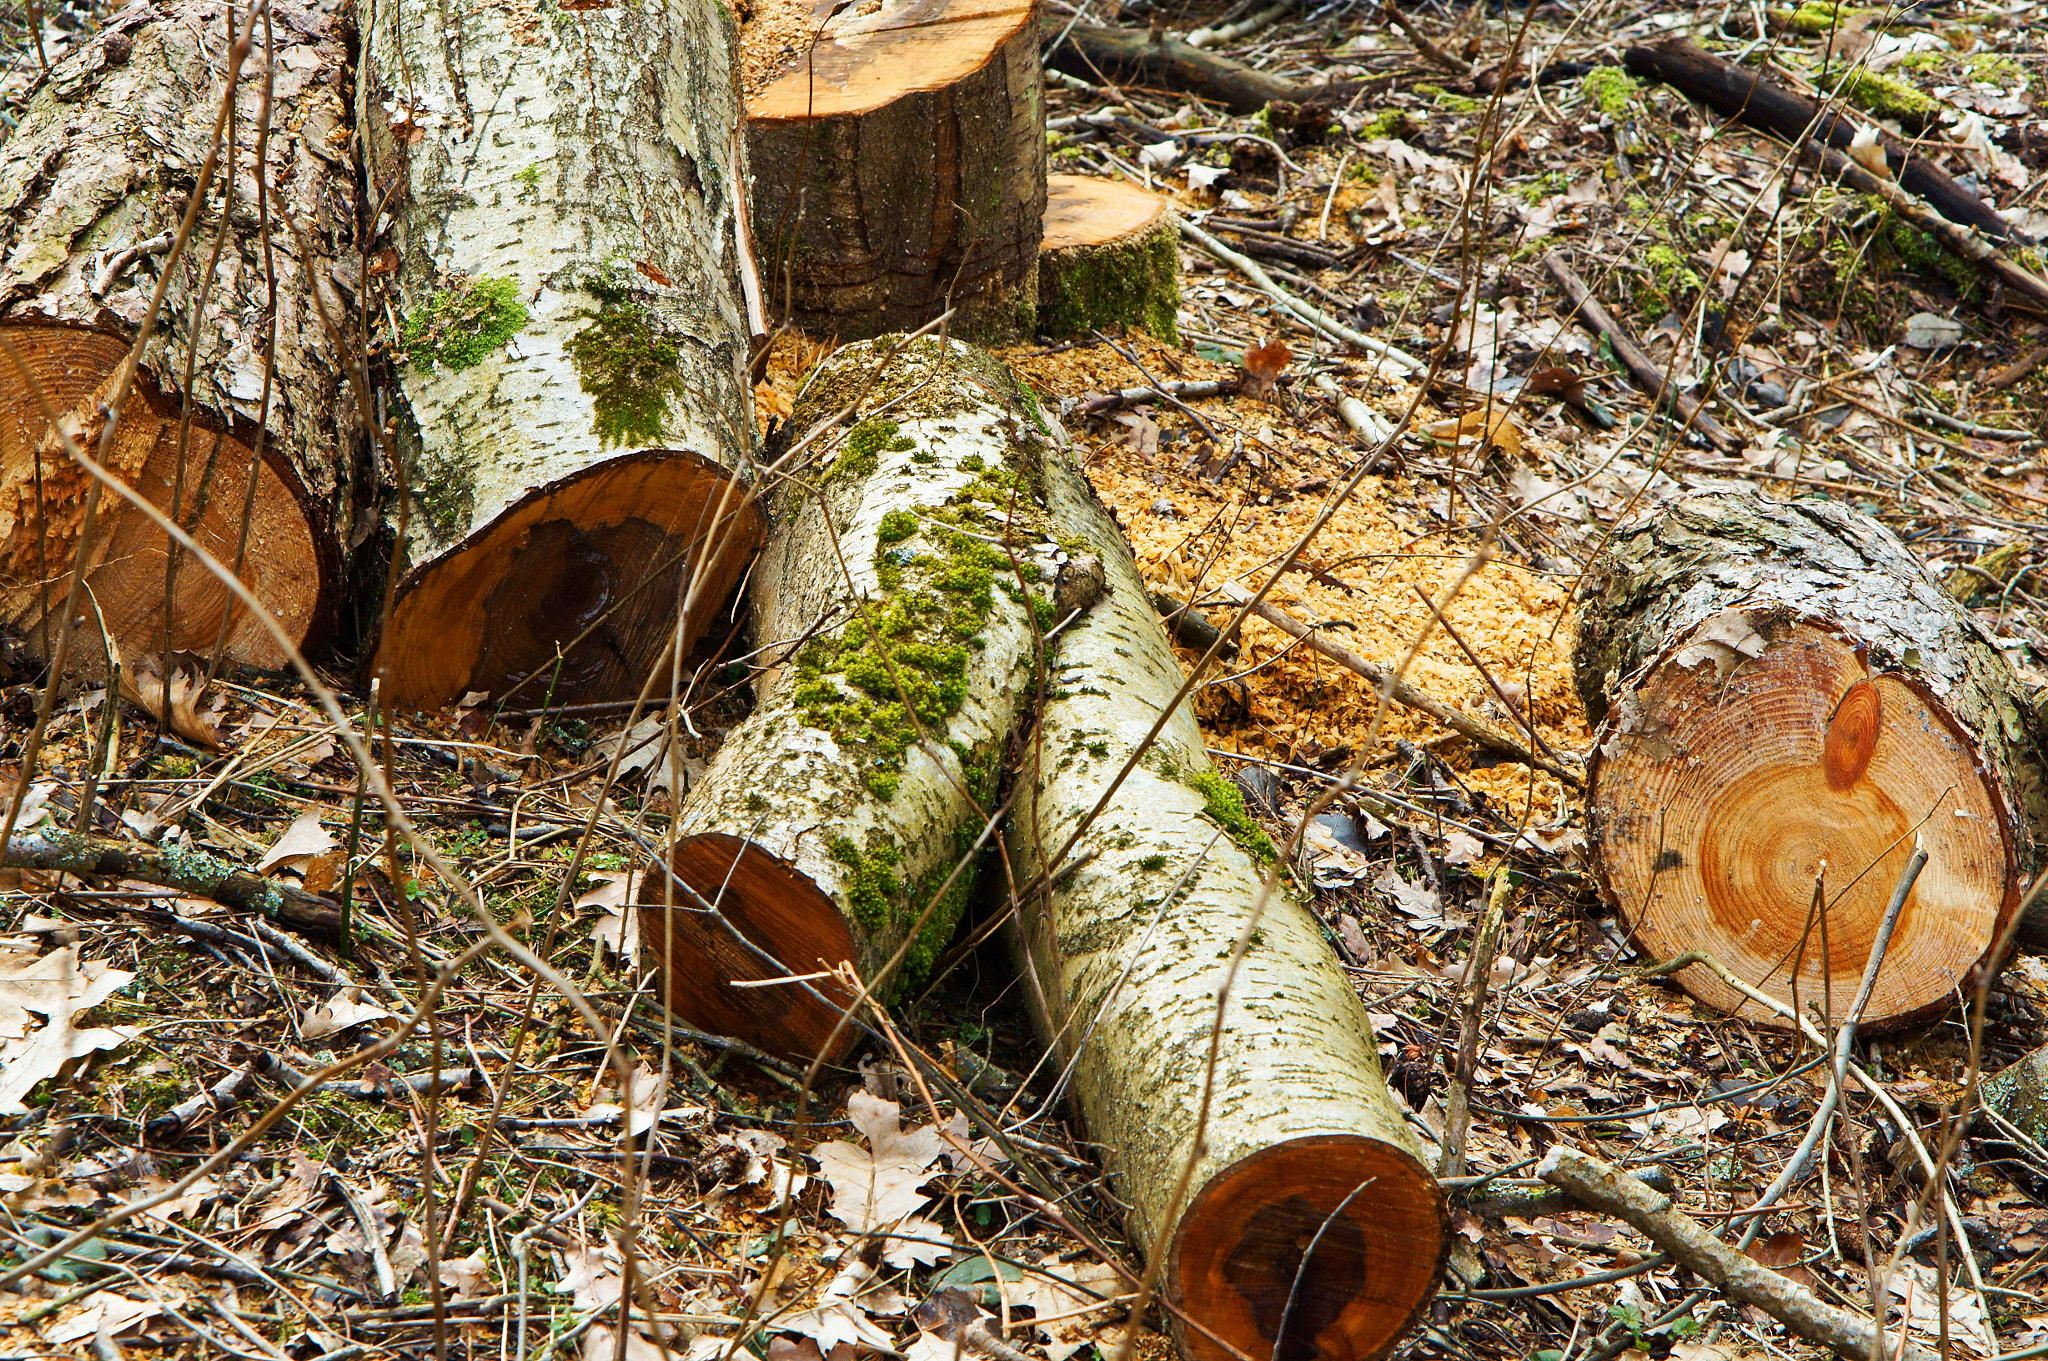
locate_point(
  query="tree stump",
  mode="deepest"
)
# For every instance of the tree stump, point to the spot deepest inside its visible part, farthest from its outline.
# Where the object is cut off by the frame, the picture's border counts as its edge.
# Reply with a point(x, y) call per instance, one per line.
point(1110, 259)
point(899, 167)
point(1780, 689)
point(95, 184)
point(832, 817)
point(1307, 1202)
point(572, 405)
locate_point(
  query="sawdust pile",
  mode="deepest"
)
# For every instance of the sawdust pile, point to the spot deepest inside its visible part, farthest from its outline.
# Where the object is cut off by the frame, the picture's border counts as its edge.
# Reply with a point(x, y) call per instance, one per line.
point(773, 38)
point(1278, 700)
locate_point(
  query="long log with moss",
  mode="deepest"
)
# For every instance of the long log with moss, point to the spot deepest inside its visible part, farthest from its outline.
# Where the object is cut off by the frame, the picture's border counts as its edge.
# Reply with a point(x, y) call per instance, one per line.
point(1310, 1227)
point(1786, 703)
point(95, 183)
point(572, 409)
point(904, 583)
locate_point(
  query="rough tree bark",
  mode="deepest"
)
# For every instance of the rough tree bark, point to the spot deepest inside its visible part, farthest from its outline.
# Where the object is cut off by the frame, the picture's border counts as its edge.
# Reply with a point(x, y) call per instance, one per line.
point(1307, 1201)
point(903, 646)
point(1778, 688)
point(572, 406)
point(899, 168)
point(94, 185)
point(1110, 259)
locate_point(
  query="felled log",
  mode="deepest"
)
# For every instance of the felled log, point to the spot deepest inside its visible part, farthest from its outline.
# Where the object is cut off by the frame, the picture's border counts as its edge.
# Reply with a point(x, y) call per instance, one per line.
point(2018, 1094)
point(1110, 259)
point(1778, 689)
point(899, 169)
point(95, 184)
point(1089, 52)
point(833, 816)
point(1746, 95)
point(1307, 1202)
point(571, 397)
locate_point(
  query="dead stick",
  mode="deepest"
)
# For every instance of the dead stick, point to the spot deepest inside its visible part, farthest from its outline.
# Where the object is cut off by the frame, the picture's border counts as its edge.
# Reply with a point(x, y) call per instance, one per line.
point(1401, 692)
point(1970, 244)
point(1609, 1191)
point(1636, 359)
point(1457, 1108)
point(193, 872)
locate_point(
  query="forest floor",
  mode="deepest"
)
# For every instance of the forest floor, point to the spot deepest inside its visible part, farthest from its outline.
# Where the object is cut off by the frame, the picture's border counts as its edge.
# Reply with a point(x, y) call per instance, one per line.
point(463, 1193)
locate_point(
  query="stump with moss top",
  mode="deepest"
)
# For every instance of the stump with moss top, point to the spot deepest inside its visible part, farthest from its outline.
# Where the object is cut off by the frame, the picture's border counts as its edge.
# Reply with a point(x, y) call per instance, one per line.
point(901, 592)
point(572, 406)
point(898, 168)
point(94, 198)
point(1110, 259)
point(1785, 699)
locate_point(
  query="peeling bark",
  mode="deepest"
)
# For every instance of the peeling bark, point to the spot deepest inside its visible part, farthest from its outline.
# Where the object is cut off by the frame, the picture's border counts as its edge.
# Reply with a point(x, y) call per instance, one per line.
point(572, 408)
point(889, 587)
point(1778, 688)
point(94, 185)
point(1125, 952)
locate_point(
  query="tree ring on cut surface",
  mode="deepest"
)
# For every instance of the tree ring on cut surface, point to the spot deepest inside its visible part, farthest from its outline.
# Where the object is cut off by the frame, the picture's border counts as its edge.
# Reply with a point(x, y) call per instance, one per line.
point(1718, 797)
point(572, 592)
point(1321, 1232)
point(44, 495)
point(777, 909)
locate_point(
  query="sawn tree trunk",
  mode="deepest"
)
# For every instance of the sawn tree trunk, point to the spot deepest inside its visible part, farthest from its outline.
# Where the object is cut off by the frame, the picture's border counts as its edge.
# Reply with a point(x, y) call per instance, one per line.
point(1785, 700)
point(899, 168)
point(572, 411)
point(94, 186)
point(897, 594)
point(1307, 1200)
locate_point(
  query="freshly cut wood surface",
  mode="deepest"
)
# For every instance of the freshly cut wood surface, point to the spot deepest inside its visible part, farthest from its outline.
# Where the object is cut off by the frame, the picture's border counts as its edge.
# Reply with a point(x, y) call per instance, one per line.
point(1783, 691)
point(831, 818)
point(1110, 259)
point(1307, 1201)
point(126, 565)
point(1085, 210)
point(571, 403)
point(872, 54)
point(94, 196)
point(899, 169)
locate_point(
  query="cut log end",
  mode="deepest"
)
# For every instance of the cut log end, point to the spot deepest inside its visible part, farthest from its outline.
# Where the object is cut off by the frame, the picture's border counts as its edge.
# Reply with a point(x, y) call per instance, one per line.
point(1719, 799)
point(573, 592)
point(44, 495)
point(869, 55)
point(1338, 1239)
point(781, 913)
point(1110, 259)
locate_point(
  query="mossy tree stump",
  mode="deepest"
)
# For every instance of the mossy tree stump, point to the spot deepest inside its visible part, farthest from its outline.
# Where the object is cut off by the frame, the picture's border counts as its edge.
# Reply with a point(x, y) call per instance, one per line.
point(94, 183)
point(1310, 1228)
point(1110, 259)
point(1780, 689)
point(899, 168)
point(572, 407)
point(914, 569)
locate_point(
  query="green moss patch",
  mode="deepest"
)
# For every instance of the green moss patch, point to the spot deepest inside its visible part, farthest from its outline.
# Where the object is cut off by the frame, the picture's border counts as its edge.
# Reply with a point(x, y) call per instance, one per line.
point(461, 325)
point(1224, 804)
point(629, 369)
point(1610, 89)
point(902, 660)
point(1888, 97)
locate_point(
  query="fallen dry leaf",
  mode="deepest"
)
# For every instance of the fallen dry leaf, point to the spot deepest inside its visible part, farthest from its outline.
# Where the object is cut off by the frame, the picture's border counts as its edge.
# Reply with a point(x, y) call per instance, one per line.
point(301, 842)
point(142, 684)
